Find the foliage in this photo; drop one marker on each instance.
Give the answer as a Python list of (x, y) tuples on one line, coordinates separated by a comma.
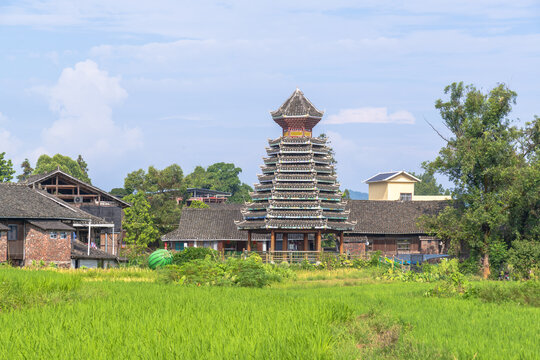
[(45, 164), (524, 258), (193, 253), (346, 195), (211, 271), (428, 185), (138, 222), (27, 170), (119, 192), (130, 316), (220, 177), (23, 288), (196, 204), (6, 169), (523, 293), (479, 159), (161, 189), (83, 165)]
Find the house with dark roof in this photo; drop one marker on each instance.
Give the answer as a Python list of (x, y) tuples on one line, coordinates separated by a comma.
[(397, 185), (40, 227), (88, 198), (388, 226)]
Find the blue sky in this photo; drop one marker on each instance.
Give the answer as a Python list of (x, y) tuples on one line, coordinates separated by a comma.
[(129, 84)]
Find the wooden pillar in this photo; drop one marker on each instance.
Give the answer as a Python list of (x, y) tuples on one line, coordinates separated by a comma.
[(285, 246), (273, 241), (318, 241), (306, 242), (341, 242), (249, 241)]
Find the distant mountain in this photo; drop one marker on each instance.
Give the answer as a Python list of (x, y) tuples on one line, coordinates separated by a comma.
[(357, 195)]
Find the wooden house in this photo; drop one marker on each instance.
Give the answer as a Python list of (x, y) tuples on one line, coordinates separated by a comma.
[(36, 226), (388, 226), (88, 198)]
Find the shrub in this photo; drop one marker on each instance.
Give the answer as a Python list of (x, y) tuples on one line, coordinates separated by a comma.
[(524, 258), (193, 253)]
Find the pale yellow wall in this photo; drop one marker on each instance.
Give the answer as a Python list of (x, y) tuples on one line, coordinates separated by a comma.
[(396, 188), (391, 190), (378, 191), (402, 178)]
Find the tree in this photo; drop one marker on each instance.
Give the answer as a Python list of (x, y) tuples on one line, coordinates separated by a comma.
[(46, 164), (138, 222), (161, 189), (6, 169), (27, 170), (346, 195), (83, 165), (220, 177), (119, 192), (134, 181), (196, 204), (428, 185), (478, 158)]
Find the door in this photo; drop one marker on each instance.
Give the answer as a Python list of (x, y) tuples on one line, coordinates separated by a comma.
[(15, 240)]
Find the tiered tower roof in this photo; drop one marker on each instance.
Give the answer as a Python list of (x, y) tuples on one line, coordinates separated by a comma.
[(298, 189)]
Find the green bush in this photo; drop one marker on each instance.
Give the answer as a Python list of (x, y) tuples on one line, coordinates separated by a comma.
[(211, 271), (524, 293), (524, 259), (193, 253)]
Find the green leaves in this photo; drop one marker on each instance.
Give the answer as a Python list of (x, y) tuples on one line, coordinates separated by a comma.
[(46, 164), (138, 222), (6, 169)]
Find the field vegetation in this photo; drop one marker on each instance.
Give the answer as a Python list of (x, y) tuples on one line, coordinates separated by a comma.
[(348, 312)]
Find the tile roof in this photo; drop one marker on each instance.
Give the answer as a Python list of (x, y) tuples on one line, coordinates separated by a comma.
[(297, 105), (32, 179), (3, 227), (22, 202), (216, 223), (372, 217), (51, 225), (391, 217), (388, 176)]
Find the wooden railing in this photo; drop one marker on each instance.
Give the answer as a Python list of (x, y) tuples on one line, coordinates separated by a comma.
[(295, 256)]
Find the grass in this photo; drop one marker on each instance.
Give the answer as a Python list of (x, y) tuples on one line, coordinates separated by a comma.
[(321, 315)]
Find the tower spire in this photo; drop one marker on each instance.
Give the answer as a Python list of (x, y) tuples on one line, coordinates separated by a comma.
[(297, 116)]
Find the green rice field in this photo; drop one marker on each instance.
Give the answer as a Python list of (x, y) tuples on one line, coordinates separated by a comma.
[(122, 314)]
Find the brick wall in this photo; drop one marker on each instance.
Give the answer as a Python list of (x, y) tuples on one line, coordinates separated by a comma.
[(39, 246), (3, 246), (354, 248)]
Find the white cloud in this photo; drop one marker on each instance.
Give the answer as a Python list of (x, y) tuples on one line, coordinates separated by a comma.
[(371, 115), (83, 97), (8, 142)]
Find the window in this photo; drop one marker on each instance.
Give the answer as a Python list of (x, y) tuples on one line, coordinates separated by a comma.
[(403, 245), (405, 197), (53, 235), (178, 246), (63, 235), (12, 233)]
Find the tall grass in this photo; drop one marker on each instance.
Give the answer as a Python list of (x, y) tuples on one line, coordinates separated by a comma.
[(373, 320), (20, 288)]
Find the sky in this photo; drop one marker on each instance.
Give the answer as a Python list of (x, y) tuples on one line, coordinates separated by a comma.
[(129, 84)]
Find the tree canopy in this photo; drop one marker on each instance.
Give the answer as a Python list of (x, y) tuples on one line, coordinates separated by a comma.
[(428, 185), (6, 169), (221, 177), (72, 167), (138, 221), (27, 170), (492, 165)]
